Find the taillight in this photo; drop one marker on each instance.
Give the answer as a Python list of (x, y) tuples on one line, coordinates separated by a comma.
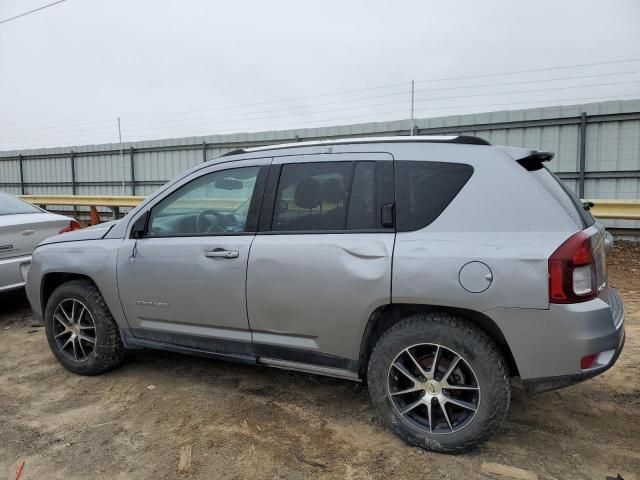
[(572, 273), (73, 225)]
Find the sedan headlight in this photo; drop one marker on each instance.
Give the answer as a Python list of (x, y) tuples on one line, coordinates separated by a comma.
[(24, 270)]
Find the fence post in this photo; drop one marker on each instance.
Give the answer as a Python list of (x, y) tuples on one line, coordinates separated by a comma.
[(73, 181), (22, 191), (133, 172), (583, 153), (204, 152)]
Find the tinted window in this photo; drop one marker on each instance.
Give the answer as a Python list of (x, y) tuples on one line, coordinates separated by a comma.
[(425, 189), (12, 206), (216, 203), (568, 200), (312, 196), (363, 211)]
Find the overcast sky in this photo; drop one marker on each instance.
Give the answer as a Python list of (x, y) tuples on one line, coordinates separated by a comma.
[(198, 67)]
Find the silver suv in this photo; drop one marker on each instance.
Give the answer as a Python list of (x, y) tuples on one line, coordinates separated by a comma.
[(438, 269)]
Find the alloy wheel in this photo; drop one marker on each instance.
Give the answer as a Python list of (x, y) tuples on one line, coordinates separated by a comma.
[(433, 388), (74, 329)]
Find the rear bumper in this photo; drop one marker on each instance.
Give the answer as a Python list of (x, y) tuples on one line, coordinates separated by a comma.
[(10, 274), (538, 385), (547, 345)]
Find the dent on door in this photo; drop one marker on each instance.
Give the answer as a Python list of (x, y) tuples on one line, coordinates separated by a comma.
[(315, 291)]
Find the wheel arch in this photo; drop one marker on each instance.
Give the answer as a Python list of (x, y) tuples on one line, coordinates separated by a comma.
[(387, 315), (52, 280)]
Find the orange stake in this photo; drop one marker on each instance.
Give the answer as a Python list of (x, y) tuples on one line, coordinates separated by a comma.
[(95, 217)]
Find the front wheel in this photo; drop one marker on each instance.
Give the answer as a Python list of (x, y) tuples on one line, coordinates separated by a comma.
[(439, 382), (81, 332)]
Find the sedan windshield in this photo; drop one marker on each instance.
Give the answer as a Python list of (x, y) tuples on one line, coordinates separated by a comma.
[(10, 205)]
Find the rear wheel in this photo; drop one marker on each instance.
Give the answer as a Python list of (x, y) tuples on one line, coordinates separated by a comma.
[(439, 382), (80, 330)]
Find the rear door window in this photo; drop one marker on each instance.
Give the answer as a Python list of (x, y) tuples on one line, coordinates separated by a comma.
[(312, 196), (425, 189), (326, 196)]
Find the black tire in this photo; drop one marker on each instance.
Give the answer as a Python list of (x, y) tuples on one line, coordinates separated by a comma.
[(473, 346), (108, 350)]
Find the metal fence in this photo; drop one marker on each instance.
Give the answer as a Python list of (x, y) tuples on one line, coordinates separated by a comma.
[(597, 150)]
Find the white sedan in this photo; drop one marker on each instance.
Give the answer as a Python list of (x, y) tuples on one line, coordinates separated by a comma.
[(22, 227)]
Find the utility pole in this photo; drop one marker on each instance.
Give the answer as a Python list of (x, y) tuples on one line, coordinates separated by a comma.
[(413, 84), (121, 154)]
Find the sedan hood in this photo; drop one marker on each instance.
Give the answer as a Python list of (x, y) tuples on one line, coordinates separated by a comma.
[(90, 233)]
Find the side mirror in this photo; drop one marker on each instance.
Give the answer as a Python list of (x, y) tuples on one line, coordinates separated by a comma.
[(140, 226)]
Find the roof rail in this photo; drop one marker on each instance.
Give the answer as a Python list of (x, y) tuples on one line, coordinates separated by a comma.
[(237, 151), (460, 139)]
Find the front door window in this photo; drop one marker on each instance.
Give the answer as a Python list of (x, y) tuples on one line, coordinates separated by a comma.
[(214, 204)]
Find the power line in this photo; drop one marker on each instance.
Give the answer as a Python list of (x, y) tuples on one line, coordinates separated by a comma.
[(267, 102), (575, 99), (373, 88), (522, 82), (340, 102), (292, 109), (62, 126), (244, 118), (31, 11), (404, 112), (224, 107), (544, 69), (531, 90), (394, 85), (374, 114), (270, 126), (367, 89)]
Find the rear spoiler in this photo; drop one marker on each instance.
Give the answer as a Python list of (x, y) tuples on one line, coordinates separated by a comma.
[(534, 161)]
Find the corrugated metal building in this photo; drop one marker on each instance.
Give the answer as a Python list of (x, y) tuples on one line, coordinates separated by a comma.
[(597, 148)]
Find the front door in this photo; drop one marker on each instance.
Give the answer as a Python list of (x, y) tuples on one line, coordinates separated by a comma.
[(183, 282), (321, 262)]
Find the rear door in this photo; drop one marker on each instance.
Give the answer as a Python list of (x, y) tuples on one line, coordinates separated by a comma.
[(321, 261)]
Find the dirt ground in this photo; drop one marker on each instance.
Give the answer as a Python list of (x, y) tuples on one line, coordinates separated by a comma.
[(254, 422)]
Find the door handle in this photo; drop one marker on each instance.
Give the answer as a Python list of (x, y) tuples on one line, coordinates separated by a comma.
[(219, 253)]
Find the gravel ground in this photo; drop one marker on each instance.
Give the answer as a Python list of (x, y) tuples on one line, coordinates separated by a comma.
[(170, 416)]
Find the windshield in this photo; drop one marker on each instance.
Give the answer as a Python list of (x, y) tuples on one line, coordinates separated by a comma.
[(10, 205)]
